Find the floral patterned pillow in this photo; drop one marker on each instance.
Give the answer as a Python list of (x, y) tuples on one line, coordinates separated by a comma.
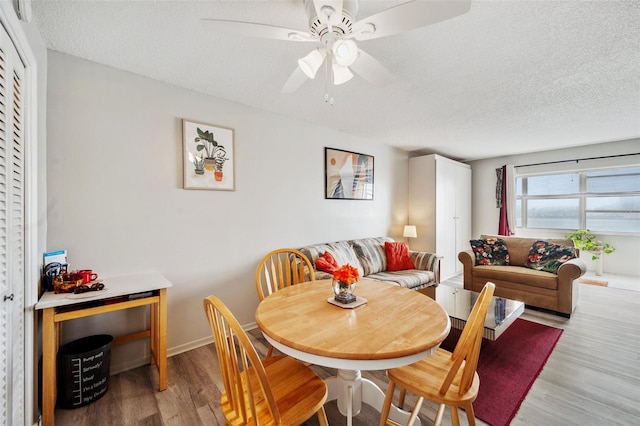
[(492, 251), (548, 257)]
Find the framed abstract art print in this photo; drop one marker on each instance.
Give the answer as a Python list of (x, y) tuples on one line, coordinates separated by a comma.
[(348, 175)]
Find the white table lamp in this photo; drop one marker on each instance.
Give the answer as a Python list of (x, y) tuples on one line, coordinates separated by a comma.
[(410, 231)]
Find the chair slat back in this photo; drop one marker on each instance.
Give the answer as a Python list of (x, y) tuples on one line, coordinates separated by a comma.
[(282, 268), (243, 374), (467, 350)]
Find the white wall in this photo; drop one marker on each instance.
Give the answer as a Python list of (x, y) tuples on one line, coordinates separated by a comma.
[(486, 216), (116, 203)]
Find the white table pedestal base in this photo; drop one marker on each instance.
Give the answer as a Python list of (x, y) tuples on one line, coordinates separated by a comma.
[(350, 390)]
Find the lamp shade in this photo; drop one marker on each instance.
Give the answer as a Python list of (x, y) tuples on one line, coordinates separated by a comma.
[(311, 63), (410, 231), (341, 74)]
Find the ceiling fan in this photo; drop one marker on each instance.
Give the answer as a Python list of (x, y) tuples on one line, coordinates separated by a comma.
[(333, 26)]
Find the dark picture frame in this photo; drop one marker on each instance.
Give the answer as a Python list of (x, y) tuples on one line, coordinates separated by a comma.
[(348, 175)]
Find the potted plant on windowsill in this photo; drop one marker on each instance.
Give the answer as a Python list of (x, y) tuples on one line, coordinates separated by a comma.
[(583, 239)]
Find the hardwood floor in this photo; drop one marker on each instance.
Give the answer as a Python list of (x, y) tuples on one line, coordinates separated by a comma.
[(592, 377)]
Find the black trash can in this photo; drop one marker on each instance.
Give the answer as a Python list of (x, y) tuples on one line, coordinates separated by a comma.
[(83, 370)]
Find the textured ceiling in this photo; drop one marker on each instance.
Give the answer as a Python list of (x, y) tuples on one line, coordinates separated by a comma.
[(508, 77)]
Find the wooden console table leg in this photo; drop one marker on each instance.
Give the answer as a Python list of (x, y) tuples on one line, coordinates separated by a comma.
[(153, 338), (49, 355), (161, 358)]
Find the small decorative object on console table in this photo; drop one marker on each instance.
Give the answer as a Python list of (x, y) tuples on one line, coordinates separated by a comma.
[(344, 283)]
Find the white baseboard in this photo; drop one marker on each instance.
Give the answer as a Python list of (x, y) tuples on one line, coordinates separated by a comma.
[(189, 346), (201, 342), (139, 362), (129, 365)]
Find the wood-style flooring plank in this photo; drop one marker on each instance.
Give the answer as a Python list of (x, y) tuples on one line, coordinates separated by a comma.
[(176, 403)]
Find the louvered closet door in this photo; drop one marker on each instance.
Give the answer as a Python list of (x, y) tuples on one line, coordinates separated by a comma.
[(12, 248)]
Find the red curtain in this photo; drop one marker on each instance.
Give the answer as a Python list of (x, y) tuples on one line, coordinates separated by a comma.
[(503, 225)]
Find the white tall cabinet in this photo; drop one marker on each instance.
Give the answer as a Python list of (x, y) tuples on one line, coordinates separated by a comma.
[(440, 208)]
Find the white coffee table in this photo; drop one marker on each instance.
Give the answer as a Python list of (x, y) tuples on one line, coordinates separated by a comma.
[(458, 303)]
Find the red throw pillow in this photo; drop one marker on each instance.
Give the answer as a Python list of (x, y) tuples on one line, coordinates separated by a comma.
[(398, 258), (326, 263)]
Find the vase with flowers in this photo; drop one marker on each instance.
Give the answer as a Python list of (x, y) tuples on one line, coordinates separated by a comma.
[(344, 283)]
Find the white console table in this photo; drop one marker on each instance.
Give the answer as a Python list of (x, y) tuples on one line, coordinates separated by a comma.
[(123, 292)]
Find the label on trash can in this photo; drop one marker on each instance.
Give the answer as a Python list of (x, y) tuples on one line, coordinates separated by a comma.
[(83, 370)]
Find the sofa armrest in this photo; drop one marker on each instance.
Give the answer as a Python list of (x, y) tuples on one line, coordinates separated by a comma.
[(468, 260), (567, 290), (572, 269), (425, 261)]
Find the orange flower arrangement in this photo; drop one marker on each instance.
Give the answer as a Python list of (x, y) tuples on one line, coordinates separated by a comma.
[(346, 274)]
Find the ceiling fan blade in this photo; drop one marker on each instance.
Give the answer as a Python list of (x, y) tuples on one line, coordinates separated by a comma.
[(336, 5), (250, 29), (367, 67), (295, 81), (408, 16)]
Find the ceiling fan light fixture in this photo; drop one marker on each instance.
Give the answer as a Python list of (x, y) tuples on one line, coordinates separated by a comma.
[(341, 74), (311, 63), (345, 52)]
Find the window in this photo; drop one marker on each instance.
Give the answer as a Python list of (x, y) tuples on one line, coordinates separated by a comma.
[(605, 200)]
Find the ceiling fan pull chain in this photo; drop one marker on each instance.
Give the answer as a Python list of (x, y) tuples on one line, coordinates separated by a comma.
[(328, 74)]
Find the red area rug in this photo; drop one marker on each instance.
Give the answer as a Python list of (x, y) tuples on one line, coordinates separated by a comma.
[(508, 367)]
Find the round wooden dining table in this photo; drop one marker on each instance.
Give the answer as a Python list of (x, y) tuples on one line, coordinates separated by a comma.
[(395, 327)]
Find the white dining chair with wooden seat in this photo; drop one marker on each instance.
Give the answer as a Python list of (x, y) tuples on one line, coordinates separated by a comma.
[(279, 269), (447, 378), (277, 391)]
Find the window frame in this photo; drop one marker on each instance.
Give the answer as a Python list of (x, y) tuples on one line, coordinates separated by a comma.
[(582, 195)]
